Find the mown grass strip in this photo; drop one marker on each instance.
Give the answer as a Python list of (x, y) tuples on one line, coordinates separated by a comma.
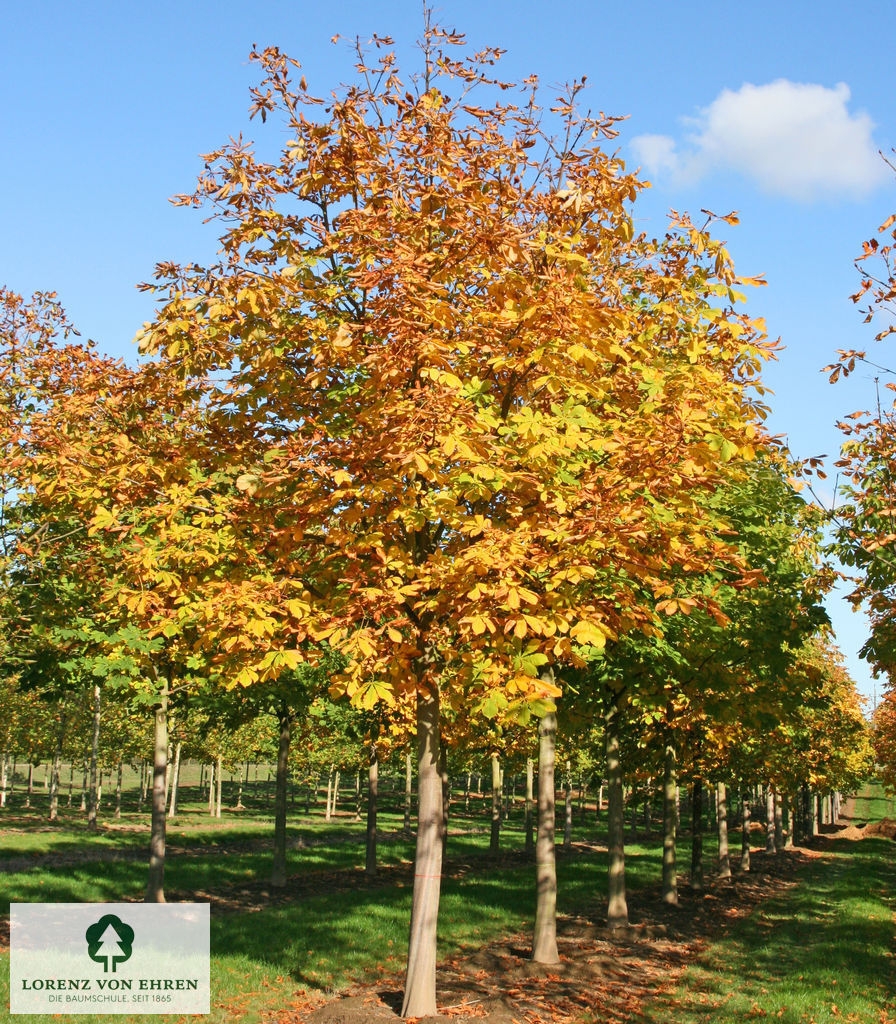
[(260, 959), (820, 953)]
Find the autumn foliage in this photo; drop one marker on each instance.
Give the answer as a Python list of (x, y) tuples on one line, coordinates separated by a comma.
[(438, 417)]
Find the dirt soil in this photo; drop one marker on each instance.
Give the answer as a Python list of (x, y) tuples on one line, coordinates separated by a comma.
[(603, 976)]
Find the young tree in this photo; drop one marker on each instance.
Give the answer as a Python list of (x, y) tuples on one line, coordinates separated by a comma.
[(467, 410)]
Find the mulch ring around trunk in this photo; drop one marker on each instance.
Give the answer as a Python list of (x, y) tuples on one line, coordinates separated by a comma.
[(601, 975)]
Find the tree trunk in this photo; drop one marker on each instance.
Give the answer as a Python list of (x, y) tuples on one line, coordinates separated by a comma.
[(495, 841), (617, 906), (30, 792), (155, 890), (85, 776), (420, 986), (4, 777), (648, 800), (722, 825), (211, 789), (175, 782), (357, 796), (71, 783), (408, 790), (336, 780), (813, 797), (769, 820), (446, 793), (118, 793), (790, 807), (218, 781), (567, 821), (329, 811), (670, 869), (697, 836), (54, 771), (745, 834), (278, 870), (467, 793), (372, 793), (779, 823), (600, 801), (244, 781), (530, 841), (544, 941)]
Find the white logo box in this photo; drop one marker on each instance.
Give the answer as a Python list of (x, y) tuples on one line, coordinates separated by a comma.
[(109, 958)]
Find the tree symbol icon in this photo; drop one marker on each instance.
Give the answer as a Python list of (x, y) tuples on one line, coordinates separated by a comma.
[(109, 942)]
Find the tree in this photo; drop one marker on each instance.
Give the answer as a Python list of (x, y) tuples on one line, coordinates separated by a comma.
[(866, 519), (466, 410)]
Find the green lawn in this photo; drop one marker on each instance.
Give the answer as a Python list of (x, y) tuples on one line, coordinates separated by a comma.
[(821, 953), (826, 944), (872, 803), (262, 959)]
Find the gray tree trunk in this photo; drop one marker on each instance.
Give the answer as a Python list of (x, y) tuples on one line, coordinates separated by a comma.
[(53, 777), (697, 836), (92, 797), (329, 811), (495, 840), (244, 781), (408, 790), (567, 821), (373, 767), (617, 905), (722, 826), (278, 870), (530, 840), (769, 820), (211, 789), (670, 869), (420, 985), (118, 792), (544, 941), (218, 780), (779, 823), (175, 782), (745, 834), (446, 793), (155, 882)]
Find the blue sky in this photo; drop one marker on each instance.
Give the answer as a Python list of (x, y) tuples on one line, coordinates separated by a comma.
[(776, 110)]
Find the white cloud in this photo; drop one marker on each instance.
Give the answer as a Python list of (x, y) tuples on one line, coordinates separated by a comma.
[(792, 139)]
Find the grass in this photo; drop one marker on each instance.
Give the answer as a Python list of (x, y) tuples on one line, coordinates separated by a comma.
[(819, 954), (820, 946), (872, 803), (261, 959)]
